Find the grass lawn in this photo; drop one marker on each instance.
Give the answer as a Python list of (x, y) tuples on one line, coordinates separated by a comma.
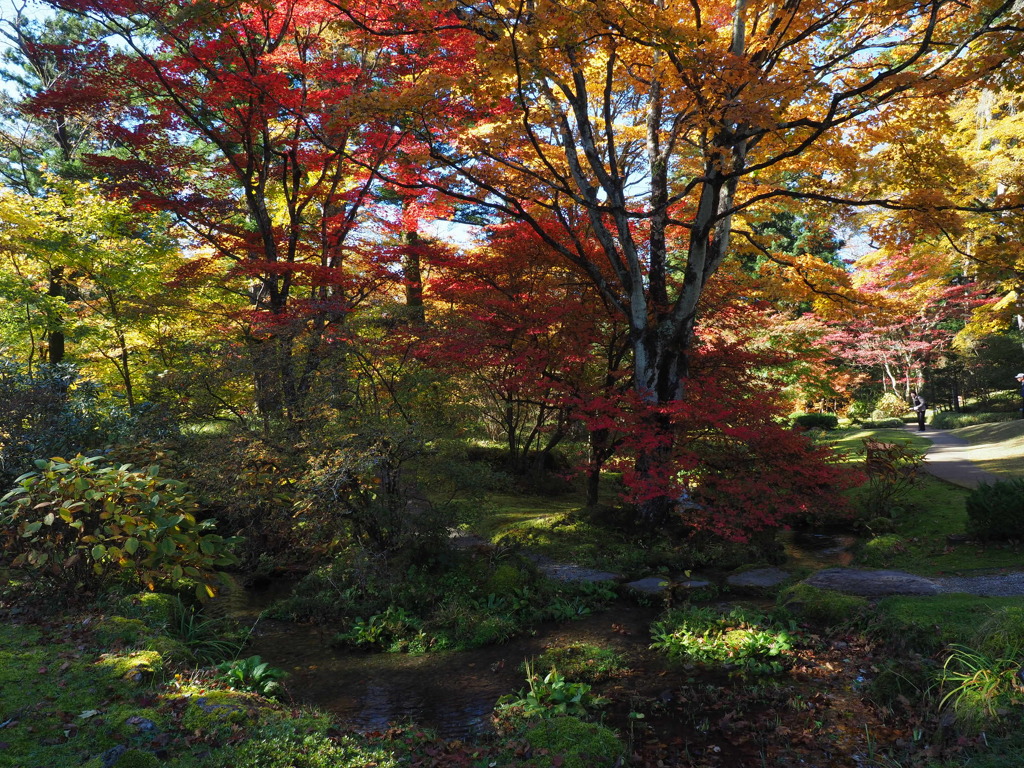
[(851, 441)]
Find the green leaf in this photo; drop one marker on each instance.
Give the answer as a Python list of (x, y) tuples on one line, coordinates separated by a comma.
[(98, 552), (131, 545)]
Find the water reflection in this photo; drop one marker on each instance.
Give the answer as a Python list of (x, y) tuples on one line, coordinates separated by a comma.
[(818, 550), (452, 692)]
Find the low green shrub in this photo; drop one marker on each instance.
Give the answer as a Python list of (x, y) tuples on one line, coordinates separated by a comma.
[(893, 468), (252, 675), (996, 511), (547, 697), (953, 420), (826, 421), (80, 524), (394, 630), (881, 551), (740, 641), (444, 606), (50, 410), (572, 743), (883, 423), (889, 406)]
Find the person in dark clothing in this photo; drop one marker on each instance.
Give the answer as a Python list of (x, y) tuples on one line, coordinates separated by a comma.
[(1020, 381), (920, 406)]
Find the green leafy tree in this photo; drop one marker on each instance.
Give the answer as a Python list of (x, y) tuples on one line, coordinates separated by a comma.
[(114, 260)]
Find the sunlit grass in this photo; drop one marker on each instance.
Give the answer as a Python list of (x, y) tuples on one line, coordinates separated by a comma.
[(933, 509), (502, 513), (211, 428), (850, 442)]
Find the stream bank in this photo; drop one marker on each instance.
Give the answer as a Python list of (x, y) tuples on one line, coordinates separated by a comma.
[(454, 692)]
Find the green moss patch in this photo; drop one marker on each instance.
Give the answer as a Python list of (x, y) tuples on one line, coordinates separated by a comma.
[(934, 621), (117, 630), (154, 609), (135, 666), (823, 606), (66, 704), (212, 709), (573, 743), (285, 744), (582, 662)]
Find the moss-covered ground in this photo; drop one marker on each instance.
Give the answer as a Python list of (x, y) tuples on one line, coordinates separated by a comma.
[(110, 687), (71, 696)]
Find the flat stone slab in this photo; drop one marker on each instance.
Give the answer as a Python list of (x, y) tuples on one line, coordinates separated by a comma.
[(855, 581), (570, 572), (655, 585), (651, 585), (761, 578)]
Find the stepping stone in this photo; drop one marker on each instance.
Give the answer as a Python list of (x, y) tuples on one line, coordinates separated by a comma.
[(651, 585), (694, 582), (569, 572), (854, 581), (655, 585), (758, 578)]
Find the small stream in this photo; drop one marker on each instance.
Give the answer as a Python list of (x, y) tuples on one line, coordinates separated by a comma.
[(454, 692), (806, 549)]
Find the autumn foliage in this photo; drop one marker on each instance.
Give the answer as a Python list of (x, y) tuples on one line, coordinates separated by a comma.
[(582, 217)]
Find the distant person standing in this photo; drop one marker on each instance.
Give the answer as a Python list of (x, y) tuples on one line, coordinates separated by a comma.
[(1020, 381), (920, 406)]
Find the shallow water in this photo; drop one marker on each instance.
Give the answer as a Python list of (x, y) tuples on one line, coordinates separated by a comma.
[(817, 550), (452, 693)]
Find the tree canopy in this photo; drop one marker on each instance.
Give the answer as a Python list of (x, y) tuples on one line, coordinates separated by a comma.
[(253, 208)]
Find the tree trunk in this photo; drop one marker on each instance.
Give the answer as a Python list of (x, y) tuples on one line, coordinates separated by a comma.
[(55, 346), (413, 278)]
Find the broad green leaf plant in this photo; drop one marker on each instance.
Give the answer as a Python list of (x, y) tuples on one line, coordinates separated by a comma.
[(82, 523)]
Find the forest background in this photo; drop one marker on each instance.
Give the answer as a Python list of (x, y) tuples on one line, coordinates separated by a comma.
[(343, 245)]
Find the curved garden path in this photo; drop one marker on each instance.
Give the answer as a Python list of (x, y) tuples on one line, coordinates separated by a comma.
[(948, 458)]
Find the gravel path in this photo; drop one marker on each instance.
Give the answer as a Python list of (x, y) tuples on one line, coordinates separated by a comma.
[(999, 585), (948, 458)]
